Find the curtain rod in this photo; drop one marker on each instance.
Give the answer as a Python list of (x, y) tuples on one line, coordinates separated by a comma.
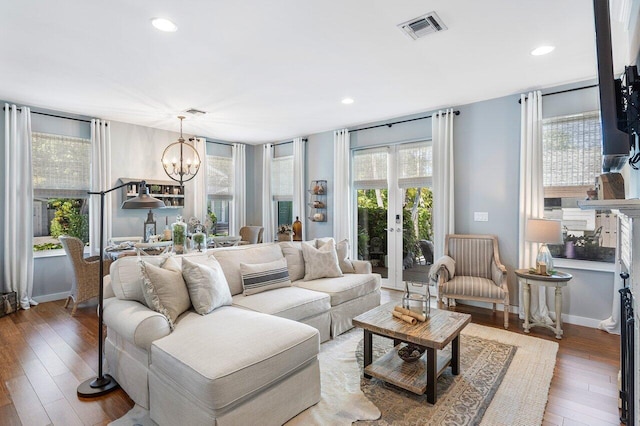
[(219, 143), (53, 115), (565, 91), (284, 143), (398, 122)]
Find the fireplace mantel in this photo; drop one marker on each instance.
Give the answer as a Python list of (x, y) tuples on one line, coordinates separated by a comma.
[(630, 207)]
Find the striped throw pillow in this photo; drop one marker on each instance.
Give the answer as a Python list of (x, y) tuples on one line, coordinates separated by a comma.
[(259, 277)]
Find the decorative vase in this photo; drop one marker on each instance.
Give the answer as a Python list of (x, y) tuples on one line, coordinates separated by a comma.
[(179, 233), (285, 237), (297, 230)]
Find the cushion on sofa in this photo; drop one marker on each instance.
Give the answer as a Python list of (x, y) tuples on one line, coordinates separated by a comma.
[(231, 257), (320, 263), (344, 289), (207, 286), (260, 277), (293, 303), (126, 279), (164, 289), (292, 251), (342, 251), (472, 286), (232, 353)]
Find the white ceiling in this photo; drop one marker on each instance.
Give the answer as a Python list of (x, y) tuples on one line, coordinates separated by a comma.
[(277, 69)]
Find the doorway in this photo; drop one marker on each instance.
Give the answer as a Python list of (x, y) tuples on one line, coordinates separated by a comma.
[(392, 195)]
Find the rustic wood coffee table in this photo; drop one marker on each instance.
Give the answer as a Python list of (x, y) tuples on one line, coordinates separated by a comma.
[(443, 327)]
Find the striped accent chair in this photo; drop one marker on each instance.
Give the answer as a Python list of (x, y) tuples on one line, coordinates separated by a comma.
[(479, 275)]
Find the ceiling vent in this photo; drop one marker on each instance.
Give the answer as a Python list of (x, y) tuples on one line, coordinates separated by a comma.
[(195, 112), (423, 25)]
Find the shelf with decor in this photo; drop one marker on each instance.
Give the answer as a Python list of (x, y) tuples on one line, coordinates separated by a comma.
[(169, 192), (318, 201)]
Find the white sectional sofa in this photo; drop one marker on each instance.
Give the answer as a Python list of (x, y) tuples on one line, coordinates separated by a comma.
[(255, 360)]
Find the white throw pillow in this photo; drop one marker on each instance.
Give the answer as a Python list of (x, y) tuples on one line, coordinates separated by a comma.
[(320, 263), (342, 250), (207, 286), (164, 289), (259, 277)]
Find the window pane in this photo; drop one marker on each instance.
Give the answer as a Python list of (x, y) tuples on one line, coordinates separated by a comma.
[(61, 178), (572, 155), (370, 168), (282, 177), (572, 149), (61, 165), (284, 212), (221, 209), (219, 176), (415, 165)]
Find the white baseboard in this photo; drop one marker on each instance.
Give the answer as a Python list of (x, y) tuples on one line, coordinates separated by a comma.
[(51, 297), (566, 318)]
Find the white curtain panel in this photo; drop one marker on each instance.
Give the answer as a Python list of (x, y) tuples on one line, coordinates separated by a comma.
[(18, 205), (299, 182), (531, 196), (443, 182), (198, 185), (341, 199), (100, 181), (267, 202), (239, 205)]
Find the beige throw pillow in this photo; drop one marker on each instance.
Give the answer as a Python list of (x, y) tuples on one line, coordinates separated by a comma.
[(342, 250), (260, 277), (207, 286), (320, 263), (164, 289), (293, 255)]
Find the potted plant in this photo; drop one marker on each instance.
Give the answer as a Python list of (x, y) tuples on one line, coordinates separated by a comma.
[(199, 239)]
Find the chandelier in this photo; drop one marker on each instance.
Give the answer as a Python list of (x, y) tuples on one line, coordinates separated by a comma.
[(180, 160)]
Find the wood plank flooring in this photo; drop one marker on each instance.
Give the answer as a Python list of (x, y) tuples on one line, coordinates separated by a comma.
[(45, 353)]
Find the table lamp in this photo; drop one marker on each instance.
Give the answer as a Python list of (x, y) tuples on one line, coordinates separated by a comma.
[(544, 231)]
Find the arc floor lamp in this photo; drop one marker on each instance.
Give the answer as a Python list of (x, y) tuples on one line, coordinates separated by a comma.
[(104, 383)]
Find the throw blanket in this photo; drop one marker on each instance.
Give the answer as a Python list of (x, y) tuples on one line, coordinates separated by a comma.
[(445, 262)]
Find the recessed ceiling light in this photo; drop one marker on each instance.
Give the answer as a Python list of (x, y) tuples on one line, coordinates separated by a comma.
[(164, 25), (347, 101), (542, 50)]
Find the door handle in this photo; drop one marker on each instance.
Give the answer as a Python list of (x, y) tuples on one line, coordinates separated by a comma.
[(390, 229), (399, 229)]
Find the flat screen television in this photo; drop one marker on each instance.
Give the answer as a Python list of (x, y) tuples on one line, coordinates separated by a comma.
[(615, 142)]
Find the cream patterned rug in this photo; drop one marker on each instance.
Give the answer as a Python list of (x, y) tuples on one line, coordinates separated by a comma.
[(504, 380)]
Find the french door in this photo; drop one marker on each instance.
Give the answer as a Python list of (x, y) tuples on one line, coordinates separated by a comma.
[(393, 209)]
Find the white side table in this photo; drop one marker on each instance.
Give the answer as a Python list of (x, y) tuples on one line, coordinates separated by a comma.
[(557, 280)]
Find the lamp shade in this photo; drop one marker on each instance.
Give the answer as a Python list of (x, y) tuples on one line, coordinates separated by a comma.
[(544, 231), (143, 200)]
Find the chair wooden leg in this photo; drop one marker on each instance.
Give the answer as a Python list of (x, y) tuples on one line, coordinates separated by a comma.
[(75, 306), (494, 307), (66, 302), (440, 304), (506, 316)]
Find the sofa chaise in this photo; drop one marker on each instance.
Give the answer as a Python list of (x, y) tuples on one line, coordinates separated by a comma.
[(254, 359)]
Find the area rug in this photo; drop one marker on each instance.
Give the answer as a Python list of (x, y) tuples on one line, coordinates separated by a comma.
[(504, 380)]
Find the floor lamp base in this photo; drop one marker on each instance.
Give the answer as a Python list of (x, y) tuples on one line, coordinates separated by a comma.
[(96, 387)]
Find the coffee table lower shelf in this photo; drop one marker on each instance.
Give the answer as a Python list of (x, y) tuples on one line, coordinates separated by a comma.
[(411, 376)]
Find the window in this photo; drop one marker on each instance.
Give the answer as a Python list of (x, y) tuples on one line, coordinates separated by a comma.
[(61, 179), (572, 158), (282, 189), (220, 190)]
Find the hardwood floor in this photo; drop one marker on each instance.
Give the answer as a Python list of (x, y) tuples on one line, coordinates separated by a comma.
[(45, 353)]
